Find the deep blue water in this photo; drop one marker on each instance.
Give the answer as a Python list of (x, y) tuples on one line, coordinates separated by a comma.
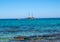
[(28, 27)]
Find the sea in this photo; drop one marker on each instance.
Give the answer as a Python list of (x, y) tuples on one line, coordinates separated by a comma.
[(10, 28)]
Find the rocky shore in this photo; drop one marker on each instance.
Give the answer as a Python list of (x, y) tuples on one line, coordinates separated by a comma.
[(42, 38)]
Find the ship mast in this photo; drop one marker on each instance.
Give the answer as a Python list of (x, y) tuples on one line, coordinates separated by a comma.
[(32, 16)]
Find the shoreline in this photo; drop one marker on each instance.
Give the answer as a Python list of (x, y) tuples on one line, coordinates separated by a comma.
[(55, 37)]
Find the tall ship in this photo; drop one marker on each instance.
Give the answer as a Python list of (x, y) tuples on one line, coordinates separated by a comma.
[(30, 16)]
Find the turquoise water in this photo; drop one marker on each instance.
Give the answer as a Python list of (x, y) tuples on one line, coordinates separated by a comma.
[(27, 27)]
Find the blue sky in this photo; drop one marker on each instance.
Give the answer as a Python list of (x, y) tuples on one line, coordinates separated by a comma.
[(22, 8)]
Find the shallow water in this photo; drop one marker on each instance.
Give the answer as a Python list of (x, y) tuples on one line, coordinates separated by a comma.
[(10, 28)]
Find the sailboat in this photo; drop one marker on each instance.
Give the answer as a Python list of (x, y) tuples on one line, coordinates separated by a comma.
[(30, 17)]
